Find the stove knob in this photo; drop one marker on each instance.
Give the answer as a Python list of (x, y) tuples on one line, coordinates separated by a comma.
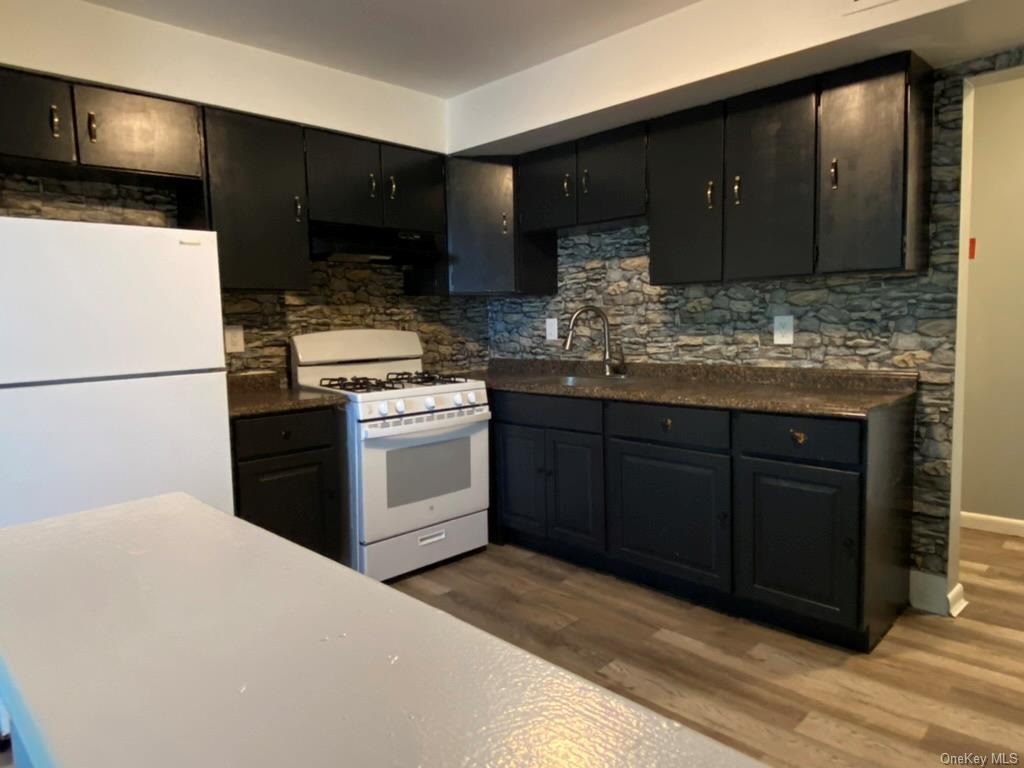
[(430, 403), (400, 406), (457, 399), (382, 409), (472, 398)]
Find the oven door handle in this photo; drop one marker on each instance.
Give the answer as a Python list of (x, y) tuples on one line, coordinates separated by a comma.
[(426, 429)]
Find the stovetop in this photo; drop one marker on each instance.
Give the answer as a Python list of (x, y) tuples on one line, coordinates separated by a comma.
[(394, 381)]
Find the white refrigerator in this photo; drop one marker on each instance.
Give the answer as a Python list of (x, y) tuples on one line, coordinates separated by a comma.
[(112, 375)]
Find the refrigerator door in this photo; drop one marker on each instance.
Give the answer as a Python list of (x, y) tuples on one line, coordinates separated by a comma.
[(69, 447), (81, 301)]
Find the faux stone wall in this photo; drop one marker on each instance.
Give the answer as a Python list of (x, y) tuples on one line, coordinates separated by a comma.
[(868, 321), (44, 198)]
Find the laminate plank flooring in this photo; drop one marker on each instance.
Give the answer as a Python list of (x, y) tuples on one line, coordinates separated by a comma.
[(933, 685)]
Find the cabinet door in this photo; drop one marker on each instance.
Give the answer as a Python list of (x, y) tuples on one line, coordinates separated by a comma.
[(547, 188), (685, 158), (798, 538), (413, 189), (257, 200), (670, 510), (520, 469), (769, 159), (611, 171), (137, 133), (37, 118), (861, 154), (575, 465), (481, 227), (344, 179), (294, 496)]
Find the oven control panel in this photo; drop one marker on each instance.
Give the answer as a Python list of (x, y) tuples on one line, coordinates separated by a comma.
[(399, 405)]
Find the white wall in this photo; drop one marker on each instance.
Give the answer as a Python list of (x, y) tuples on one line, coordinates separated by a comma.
[(88, 42), (993, 448)]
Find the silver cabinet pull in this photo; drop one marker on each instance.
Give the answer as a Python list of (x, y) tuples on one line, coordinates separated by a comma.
[(92, 127), (736, 182), (394, 187), (504, 223), (298, 208), (585, 181), (373, 185), (54, 121), (565, 185), (709, 194), (833, 173)]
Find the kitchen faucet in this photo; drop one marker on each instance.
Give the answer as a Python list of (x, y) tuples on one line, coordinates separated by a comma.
[(607, 339)]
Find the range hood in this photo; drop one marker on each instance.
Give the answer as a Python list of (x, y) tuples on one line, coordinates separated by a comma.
[(398, 244)]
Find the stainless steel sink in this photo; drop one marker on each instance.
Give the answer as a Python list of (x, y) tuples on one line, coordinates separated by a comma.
[(594, 381)]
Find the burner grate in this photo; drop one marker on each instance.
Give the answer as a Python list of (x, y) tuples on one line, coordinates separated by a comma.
[(423, 378)]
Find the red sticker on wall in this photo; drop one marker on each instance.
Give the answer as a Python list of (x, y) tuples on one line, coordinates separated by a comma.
[(973, 250)]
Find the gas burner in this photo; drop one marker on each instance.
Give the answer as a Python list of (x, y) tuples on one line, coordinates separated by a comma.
[(423, 378), (359, 384)]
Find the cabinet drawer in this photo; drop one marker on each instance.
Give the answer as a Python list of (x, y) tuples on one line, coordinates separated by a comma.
[(266, 435), (668, 424), (571, 413), (796, 437)]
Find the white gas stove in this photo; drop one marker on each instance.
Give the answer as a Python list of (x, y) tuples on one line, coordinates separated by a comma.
[(416, 448)]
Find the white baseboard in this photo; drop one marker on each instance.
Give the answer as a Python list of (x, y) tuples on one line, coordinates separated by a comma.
[(929, 592), (1007, 526)]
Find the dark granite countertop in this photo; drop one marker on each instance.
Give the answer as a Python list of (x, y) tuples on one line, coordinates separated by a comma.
[(801, 391), (259, 393)]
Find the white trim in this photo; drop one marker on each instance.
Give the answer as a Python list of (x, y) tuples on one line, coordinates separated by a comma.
[(928, 592), (992, 523)]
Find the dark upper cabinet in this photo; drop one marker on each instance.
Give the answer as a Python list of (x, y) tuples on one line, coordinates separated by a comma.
[(797, 537), (547, 188), (257, 175), (770, 172), (873, 128), (486, 251), (685, 157), (413, 189), (521, 477), (611, 174), (38, 121), (575, 510), (137, 133), (344, 179), (670, 510)]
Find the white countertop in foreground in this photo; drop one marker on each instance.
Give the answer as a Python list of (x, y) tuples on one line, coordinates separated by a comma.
[(164, 633)]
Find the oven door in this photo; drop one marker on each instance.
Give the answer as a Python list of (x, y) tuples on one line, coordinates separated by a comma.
[(420, 474)]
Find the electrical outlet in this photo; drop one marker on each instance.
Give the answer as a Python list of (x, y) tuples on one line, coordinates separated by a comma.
[(551, 328), (784, 329), (234, 338)]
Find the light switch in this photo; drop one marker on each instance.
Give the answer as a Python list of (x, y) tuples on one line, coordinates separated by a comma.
[(784, 329), (234, 338), (551, 328)]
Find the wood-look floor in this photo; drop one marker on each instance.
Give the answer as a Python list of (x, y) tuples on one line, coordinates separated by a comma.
[(933, 685)]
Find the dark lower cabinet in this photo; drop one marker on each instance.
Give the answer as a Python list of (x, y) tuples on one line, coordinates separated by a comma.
[(257, 173), (575, 475), (413, 189), (294, 496), (669, 510), (521, 477), (797, 532), (38, 122)]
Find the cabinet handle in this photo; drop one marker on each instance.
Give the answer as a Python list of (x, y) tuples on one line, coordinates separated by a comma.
[(504, 223), (432, 538), (373, 185), (800, 438), (666, 425), (833, 173), (298, 208), (394, 187), (709, 194), (92, 127), (54, 121), (736, 182), (585, 181), (565, 184), (286, 434), (848, 543)]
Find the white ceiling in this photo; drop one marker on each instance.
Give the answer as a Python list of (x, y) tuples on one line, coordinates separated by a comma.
[(441, 47)]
